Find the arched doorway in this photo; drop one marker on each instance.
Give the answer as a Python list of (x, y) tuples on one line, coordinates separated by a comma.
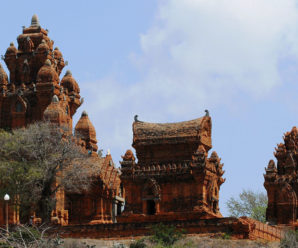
[(151, 197), (151, 208)]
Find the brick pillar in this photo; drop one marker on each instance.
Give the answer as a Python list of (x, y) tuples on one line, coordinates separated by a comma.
[(110, 209), (144, 207), (101, 208), (157, 206)]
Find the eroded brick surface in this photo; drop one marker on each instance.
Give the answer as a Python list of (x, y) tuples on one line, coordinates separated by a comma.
[(281, 182), (174, 179), (34, 92)]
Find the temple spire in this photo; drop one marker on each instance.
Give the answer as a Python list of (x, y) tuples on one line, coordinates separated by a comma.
[(35, 21), (68, 73)]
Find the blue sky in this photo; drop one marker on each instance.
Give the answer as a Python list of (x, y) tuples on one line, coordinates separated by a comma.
[(169, 60)]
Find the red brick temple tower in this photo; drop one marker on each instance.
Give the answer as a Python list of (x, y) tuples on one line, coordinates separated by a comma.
[(173, 178), (281, 182), (34, 69), (34, 92)]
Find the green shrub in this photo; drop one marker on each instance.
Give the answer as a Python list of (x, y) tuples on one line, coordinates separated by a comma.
[(5, 245), (25, 234), (290, 240), (118, 246), (138, 244), (165, 235), (226, 235)]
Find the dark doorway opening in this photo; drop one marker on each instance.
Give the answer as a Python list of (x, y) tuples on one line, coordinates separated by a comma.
[(119, 205), (151, 210)]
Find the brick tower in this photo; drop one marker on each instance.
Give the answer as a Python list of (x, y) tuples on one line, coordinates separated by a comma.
[(34, 92), (34, 70), (173, 179), (281, 182)]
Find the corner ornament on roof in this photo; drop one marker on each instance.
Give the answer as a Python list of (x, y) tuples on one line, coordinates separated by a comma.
[(136, 119), (207, 112)]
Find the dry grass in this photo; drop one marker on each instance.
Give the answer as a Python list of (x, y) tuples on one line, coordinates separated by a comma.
[(192, 241), (205, 242)]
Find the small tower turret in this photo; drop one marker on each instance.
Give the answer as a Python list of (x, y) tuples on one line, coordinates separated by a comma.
[(86, 131)]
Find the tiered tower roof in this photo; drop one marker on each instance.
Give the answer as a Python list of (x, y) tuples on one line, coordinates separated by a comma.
[(86, 131), (34, 68)]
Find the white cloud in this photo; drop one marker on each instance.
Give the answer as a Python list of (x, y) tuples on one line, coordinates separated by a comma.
[(219, 45), (197, 54), (203, 52)]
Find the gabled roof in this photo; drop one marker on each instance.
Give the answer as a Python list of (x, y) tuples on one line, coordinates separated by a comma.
[(145, 133), (107, 172)]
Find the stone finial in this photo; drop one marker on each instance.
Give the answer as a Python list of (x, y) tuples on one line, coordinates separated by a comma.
[(84, 113), (108, 152), (48, 62), (68, 73), (271, 165), (136, 118), (214, 155), (56, 48), (207, 112), (128, 156), (55, 98), (11, 44), (35, 21)]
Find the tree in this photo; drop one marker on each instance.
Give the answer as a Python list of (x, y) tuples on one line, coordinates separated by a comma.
[(37, 161), (249, 204)]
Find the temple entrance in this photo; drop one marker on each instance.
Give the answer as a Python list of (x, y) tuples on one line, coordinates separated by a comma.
[(151, 208)]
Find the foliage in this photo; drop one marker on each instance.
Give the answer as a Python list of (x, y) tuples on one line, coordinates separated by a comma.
[(226, 235), (249, 204), (88, 246), (31, 237), (259, 213), (28, 234), (119, 246), (35, 237), (35, 162), (76, 243), (165, 235), (138, 244), (290, 239)]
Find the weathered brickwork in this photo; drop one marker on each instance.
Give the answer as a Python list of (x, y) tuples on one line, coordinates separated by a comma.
[(242, 228), (281, 182), (34, 92), (173, 179)]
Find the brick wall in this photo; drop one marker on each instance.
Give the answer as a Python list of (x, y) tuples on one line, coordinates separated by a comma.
[(242, 228)]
